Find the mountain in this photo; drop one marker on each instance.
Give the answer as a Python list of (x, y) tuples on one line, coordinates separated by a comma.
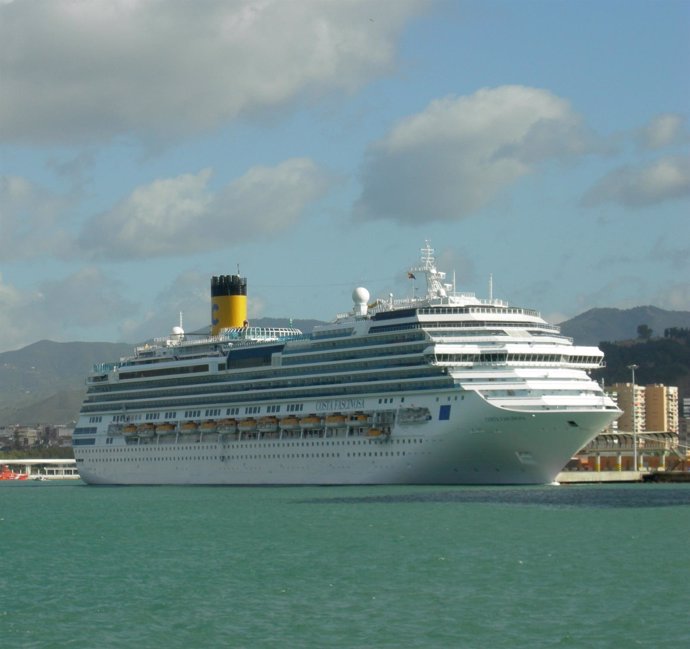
[(611, 325), (43, 383)]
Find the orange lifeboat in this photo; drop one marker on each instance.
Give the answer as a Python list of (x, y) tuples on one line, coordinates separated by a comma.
[(335, 421), (310, 421), (129, 429), (189, 427), (209, 426), (227, 426), (289, 423), (146, 430), (268, 424), (247, 428), (360, 419)]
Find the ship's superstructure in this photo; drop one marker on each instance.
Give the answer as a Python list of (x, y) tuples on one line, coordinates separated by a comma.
[(442, 388)]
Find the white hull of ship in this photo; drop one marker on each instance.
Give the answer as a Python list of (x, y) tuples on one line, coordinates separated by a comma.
[(478, 444)]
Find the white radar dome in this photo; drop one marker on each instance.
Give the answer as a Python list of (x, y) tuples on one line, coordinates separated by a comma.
[(177, 331), (360, 295)]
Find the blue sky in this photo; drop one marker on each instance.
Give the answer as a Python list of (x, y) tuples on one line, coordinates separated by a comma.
[(316, 145)]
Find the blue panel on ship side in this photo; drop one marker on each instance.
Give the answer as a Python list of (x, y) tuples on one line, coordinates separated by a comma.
[(444, 413)]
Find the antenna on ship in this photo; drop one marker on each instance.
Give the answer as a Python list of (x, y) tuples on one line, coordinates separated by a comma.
[(491, 286)]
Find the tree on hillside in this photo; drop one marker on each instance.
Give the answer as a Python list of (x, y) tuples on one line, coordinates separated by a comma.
[(644, 332), (663, 360), (681, 334)]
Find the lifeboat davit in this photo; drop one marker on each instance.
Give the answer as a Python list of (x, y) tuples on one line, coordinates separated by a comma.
[(335, 421), (361, 420), (209, 426), (129, 429), (146, 430), (310, 421), (268, 424), (226, 426)]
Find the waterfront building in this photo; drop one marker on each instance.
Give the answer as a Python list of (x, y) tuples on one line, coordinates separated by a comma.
[(684, 426), (631, 400), (661, 408)]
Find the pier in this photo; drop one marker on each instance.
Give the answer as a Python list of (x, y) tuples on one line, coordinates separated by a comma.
[(44, 469)]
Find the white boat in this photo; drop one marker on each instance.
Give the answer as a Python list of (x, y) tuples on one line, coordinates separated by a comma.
[(440, 388)]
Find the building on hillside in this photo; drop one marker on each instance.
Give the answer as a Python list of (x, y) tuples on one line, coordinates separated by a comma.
[(17, 437), (25, 436), (6, 439), (64, 435)]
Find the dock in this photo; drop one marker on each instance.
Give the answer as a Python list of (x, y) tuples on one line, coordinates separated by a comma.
[(591, 477), (44, 468), (648, 475)]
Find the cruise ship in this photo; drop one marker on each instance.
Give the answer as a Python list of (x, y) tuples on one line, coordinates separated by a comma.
[(438, 388)]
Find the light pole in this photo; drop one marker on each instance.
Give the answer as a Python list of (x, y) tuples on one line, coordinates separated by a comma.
[(632, 368)]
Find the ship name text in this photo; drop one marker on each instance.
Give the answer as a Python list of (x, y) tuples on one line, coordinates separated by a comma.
[(340, 404)]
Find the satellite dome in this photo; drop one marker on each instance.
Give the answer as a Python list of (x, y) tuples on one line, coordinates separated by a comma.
[(177, 331), (360, 295)]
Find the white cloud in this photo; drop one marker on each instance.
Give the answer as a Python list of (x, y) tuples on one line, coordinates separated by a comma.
[(183, 215), (188, 293), (675, 297), (13, 303), (60, 309), (458, 154), (662, 131), (30, 220), (86, 71), (662, 180), (87, 298)]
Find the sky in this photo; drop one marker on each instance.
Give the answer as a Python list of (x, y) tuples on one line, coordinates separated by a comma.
[(316, 145)]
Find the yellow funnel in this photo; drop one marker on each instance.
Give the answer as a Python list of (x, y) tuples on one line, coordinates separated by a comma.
[(228, 302)]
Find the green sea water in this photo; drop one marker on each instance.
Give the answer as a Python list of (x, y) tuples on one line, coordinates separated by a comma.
[(355, 567)]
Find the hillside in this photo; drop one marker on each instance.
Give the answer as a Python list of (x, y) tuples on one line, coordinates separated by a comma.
[(660, 360), (597, 325), (43, 383)]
